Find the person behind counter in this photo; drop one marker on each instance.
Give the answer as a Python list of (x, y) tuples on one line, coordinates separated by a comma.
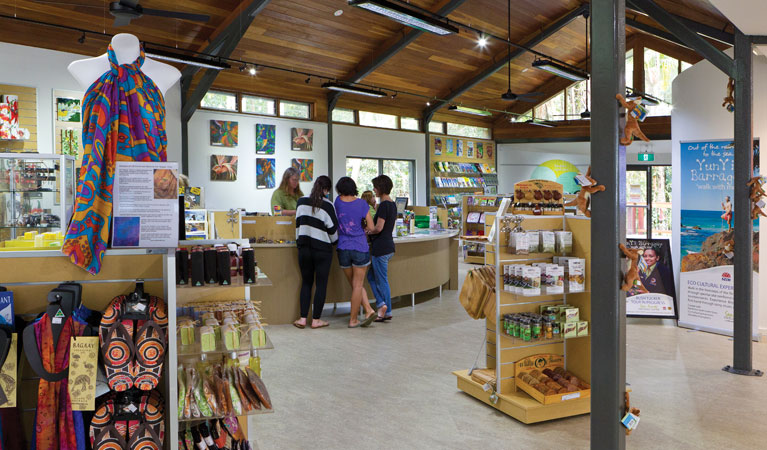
[(287, 194), (316, 233), (382, 246), (353, 250)]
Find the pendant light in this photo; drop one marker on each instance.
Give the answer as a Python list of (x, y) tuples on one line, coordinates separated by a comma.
[(586, 115)]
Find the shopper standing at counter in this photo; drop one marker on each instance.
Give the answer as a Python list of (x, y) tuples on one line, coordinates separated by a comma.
[(287, 194), (382, 246), (353, 251), (316, 233)]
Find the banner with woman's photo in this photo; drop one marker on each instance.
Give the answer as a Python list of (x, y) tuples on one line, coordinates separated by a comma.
[(707, 237), (655, 294)]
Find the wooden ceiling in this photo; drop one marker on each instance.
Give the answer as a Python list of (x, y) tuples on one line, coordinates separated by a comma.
[(306, 36)]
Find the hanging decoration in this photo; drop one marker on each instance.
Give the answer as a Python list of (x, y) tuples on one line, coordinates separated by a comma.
[(635, 113)]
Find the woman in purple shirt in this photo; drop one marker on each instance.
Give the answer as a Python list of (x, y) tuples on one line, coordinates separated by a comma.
[(353, 251)]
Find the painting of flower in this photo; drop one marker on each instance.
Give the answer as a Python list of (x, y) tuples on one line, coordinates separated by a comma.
[(265, 139), (305, 167), (264, 173), (223, 133), (223, 168), (302, 139)]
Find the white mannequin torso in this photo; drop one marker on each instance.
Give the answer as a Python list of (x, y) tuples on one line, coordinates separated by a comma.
[(127, 49)]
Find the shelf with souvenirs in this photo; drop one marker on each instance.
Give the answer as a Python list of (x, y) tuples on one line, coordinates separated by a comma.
[(537, 318), (474, 216)]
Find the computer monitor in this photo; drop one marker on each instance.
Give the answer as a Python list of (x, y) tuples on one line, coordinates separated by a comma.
[(401, 203)]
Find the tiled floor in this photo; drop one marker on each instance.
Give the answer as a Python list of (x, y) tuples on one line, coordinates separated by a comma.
[(390, 387)]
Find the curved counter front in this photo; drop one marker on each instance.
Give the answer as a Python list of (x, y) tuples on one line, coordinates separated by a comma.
[(421, 262)]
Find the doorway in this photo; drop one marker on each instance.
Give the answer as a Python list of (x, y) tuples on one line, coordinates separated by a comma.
[(648, 202)]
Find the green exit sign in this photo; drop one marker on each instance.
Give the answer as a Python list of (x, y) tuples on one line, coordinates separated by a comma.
[(646, 157)]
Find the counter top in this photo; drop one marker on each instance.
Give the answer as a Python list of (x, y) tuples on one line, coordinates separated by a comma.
[(419, 236)]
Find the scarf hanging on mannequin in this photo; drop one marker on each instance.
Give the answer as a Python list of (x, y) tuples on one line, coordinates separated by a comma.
[(123, 120)]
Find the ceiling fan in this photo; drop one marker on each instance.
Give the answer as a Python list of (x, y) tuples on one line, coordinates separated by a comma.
[(126, 10)]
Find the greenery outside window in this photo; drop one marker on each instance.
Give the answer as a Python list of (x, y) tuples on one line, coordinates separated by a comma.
[(553, 109), (436, 127), (659, 72), (401, 172), (409, 123), (457, 129), (524, 117), (371, 119), (343, 115), (630, 68), (298, 110), (577, 99), (225, 101), (258, 105)]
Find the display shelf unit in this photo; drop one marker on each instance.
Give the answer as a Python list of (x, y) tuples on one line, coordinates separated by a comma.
[(474, 253), (502, 351)]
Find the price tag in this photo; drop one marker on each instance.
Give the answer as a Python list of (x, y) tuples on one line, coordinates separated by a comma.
[(83, 361), (760, 203), (630, 421), (571, 396), (729, 255), (582, 180), (139, 307), (9, 373), (56, 320), (486, 387), (195, 190)]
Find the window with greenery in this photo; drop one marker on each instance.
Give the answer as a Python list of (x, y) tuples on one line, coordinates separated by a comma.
[(343, 115), (577, 99), (410, 123), (226, 101), (659, 72), (258, 105), (371, 119), (552, 109), (401, 172), (630, 68), (524, 117), (436, 127), (458, 129), (298, 110)]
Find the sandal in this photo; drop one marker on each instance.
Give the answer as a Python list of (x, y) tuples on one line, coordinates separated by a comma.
[(368, 320), (321, 325), (298, 325)]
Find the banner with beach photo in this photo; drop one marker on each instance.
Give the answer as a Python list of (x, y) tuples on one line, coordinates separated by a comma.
[(706, 236)]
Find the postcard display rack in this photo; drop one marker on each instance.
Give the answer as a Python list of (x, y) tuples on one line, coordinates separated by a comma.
[(508, 357), (477, 214), (457, 172)]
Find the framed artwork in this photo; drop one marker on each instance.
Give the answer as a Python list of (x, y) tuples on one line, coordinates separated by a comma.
[(449, 146), (305, 167), (437, 146), (265, 139), (223, 168), (459, 148), (265, 173), (489, 150), (470, 149), (480, 150), (68, 110), (302, 139), (223, 133)]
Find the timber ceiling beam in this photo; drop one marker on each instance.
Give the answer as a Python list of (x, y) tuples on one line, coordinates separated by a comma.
[(222, 45), (501, 61), (394, 45)]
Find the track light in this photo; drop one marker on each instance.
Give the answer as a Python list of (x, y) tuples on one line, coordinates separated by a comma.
[(394, 95), (81, 39), (184, 59), (406, 16), (243, 67), (540, 123), (586, 115), (252, 70), (351, 89), (465, 110), (307, 80), (428, 104), (560, 70), (482, 41)]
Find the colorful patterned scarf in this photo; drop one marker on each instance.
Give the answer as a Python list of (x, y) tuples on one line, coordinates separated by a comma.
[(123, 120), (56, 425)]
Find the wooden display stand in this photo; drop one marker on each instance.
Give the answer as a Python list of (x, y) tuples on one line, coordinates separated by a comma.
[(481, 227), (544, 195), (503, 351)]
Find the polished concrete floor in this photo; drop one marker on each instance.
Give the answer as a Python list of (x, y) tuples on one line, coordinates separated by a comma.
[(390, 387)]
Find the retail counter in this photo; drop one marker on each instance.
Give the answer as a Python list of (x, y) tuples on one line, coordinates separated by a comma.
[(424, 261)]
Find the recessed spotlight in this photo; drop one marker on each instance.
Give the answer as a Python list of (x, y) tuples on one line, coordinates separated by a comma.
[(252, 70), (338, 12), (428, 104), (482, 41), (525, 70)]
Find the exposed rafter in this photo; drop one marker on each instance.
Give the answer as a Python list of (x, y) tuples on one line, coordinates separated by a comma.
[(222, 45), (502, 60), (687, 35), (389, 49), (651, 30)]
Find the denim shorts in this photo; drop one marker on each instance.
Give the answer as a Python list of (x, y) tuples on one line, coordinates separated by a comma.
[(349, 258)]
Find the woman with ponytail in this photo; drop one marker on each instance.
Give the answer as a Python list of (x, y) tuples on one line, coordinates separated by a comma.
[(316, 233)]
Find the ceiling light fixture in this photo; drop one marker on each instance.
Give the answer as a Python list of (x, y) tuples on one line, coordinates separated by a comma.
[(560, 70), (81, 39), (482, 41), (343, 87), (307, 80), (406, 16), (428, 104), (474, 111), (540, 123), (243, 67), (252, 70), (647, 99), (338, 12), (184, 59)]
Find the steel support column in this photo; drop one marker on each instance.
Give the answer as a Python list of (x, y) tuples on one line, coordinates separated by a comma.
[(608, 226), (428, 164), (743, 226), (331, 174)]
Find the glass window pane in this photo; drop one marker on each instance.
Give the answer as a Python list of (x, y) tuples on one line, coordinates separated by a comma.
[(401, 174), (409, 123), (685, 66), (552, 109), (436, 127), (362, 171), (219, 100), (257, 105), (630, 68), (458, 129), (371, 119), (524, 117), (294, 109), (636, 222), (659, 72), (577, 99), (661, 202), (343, 115), (636, 187)]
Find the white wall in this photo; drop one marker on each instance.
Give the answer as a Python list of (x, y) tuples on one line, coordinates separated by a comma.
[(517, 161), (243, 193), (698, 115), (378, 143), (46, 70)]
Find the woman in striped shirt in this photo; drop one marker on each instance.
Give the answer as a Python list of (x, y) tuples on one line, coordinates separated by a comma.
[(316, 225)]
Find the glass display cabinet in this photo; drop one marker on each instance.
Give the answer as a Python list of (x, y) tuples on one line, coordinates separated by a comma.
[(37, 192)]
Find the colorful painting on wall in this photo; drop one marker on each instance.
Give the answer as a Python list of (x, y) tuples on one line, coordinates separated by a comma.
[(265, 139), (223, 133), (265, 173), (68, 110), (449, 146), (223, 168), (480, 150), (302, 139), (305, 167), (489, 150), (459, 148), (437, 146), (470, 149), (70, 142)]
